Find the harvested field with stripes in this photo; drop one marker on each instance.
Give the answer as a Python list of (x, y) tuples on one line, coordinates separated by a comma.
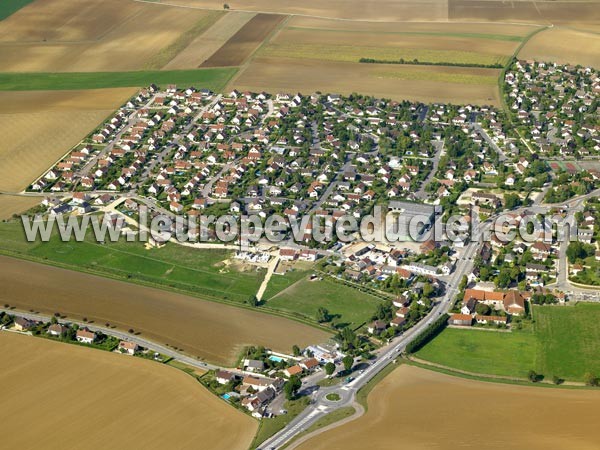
[(243, 43)]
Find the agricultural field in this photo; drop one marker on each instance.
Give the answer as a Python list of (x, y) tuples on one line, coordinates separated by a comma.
[(243, 43), (108, 400), (568, 340), (214, 79), (564, 45), (209, 273), (541, 12), (33, 135), (8, 7), (96, 35), (433, 43), (564, 342), (208, 330), (531, 417), (375, 10), (311, 54), (348, 305), (205, 45), (494, 353), (10, 205), (418, 83)]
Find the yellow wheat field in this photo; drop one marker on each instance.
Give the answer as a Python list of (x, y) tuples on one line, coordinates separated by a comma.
[(63, 395), (38, 127)]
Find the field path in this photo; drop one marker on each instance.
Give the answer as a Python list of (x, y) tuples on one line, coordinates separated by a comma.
[(265, 282)]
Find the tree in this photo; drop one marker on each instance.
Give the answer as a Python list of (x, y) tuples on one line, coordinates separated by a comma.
[(463, 283), (323, 315), (482, 309), (53, 320), (428, 290), (225, 6), (533, 376), (590, 379), (348, 362), (291, 387), (512, 201), (329, 368), (253, 301), (296, 350)]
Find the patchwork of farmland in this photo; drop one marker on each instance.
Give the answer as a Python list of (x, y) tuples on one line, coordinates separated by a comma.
[(243, 43), (205, 45), (374, 10), (95, 35), (434, 43), (311, 54)]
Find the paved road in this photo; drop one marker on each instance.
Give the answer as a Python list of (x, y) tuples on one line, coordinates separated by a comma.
[(320, 406), (486, 137), (123, 336)]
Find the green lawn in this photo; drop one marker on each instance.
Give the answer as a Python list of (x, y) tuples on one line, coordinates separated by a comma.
[(568, 340), (195, 271), (495, 353), (564, 342), (349, 305), (9, 7), (280, 282), (214, 79)]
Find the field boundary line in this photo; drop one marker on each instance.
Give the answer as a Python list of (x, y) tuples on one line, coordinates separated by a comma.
[(342, 19), (484, 377), (242, 68), (203, 297)]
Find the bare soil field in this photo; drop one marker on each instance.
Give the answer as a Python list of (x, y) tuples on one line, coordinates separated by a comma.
[(90, 35), (543, 12), (205, 45), (209, 330), (374, 10), (56, 393), (422, 83), (33, 134), (564, 45), (241, 45), (340, 41), (417, 409), (10, 205)]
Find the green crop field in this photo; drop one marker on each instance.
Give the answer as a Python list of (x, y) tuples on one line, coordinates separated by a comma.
[(351, 53), (200, 272), (349, 305), (214, 79), (505, 354), (9, 7), (568, 340), (564, 342)]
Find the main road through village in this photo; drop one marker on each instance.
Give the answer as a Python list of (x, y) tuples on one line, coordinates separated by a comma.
[(320, 406)]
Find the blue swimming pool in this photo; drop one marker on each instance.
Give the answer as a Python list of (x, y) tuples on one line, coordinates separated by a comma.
[(275, 358)]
